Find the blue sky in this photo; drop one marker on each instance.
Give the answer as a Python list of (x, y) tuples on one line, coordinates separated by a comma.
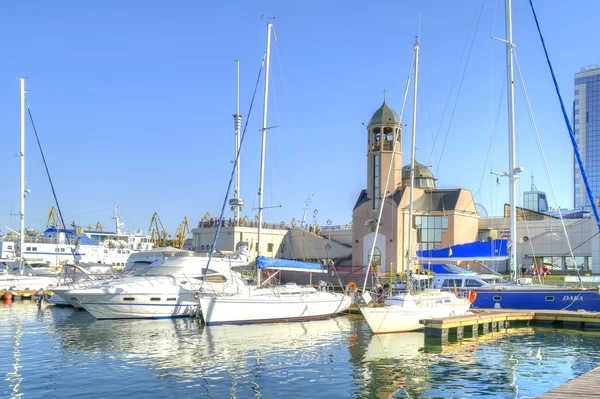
[(133, 101)]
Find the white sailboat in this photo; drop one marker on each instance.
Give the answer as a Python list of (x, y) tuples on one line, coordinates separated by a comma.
[(290, 302), (403, 312), (22, 280)]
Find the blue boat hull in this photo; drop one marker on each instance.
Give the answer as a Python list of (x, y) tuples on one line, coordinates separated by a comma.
[(539, 299)]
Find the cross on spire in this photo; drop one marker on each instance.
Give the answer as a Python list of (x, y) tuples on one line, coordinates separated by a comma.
[(384, 91)]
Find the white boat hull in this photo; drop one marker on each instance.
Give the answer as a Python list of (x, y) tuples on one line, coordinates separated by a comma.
[(242, 309), (137, 305), (404, 313), (27, 283)]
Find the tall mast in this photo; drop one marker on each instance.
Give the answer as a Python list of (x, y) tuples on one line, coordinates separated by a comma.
[(512, 173), (412, 159), (264, 138), (23, 193), (237, 121)]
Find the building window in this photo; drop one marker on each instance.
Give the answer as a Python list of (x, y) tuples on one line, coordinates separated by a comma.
[(376, 260), (281, 248), (429, 230), (9, 247), (269, 247), (376, 192)]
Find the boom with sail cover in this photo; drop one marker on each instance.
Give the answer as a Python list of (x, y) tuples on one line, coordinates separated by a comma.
[(479, 250), (262, 262)]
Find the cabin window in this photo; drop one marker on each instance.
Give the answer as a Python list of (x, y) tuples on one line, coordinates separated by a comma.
[(9, 247), (171, 299), (27, 248), (216, 279), (155, 299), (452, 282), (497, 298), (129, 299), (549, 298), (472, 283)]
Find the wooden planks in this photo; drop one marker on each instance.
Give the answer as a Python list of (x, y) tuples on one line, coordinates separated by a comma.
[(585, 386)]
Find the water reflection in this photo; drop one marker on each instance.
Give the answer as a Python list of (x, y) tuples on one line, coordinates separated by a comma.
[(67, 353)]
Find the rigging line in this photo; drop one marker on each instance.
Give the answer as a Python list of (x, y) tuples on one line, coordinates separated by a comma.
[(566, 118), (454, 81), (410, 69), (490, 147), (50, 179), (426, 115), (459, 89), (235, 163), (539, 143), (588, 240)]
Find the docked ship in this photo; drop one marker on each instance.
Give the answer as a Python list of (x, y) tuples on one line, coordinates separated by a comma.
[(57, 246)]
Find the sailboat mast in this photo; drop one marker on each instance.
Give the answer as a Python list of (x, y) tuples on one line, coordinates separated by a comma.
[(412, 159), (512, 173), (22, 158), (237, 121), (264, 138)]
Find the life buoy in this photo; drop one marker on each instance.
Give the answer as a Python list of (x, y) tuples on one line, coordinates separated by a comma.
[(472, 296), (351, 287)]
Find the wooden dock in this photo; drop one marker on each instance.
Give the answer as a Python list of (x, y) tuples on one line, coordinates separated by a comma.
[(584, 386), (493, 320)]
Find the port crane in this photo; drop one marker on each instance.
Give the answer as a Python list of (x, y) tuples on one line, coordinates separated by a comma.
[(182, 231), (158, 232)]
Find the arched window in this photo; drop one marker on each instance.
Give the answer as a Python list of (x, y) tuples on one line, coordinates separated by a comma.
[(376, 261)]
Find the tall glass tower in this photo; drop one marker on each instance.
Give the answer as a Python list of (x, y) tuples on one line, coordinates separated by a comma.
[(535, 199), (586, 121)]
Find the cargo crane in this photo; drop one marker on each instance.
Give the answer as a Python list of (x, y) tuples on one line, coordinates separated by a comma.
[(159, 234), (182, 231), (53, 218)]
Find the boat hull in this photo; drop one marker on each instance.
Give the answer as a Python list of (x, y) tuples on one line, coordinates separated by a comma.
[(136, 305), (390, 319), (27, 283), (539, 299), (246, 310)]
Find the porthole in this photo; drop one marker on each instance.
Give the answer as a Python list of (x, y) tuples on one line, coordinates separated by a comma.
[(549, 298), (497, 298)]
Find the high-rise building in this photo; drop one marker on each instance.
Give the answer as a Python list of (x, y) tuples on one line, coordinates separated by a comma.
[(586, 122), (535, 200)]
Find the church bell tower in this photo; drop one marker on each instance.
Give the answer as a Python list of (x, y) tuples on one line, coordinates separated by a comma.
[(382, 129)]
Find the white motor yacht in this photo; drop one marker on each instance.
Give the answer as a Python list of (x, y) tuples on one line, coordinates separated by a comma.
[(167, 288)]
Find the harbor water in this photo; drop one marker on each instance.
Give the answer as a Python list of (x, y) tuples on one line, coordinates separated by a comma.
[(66, 353)]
